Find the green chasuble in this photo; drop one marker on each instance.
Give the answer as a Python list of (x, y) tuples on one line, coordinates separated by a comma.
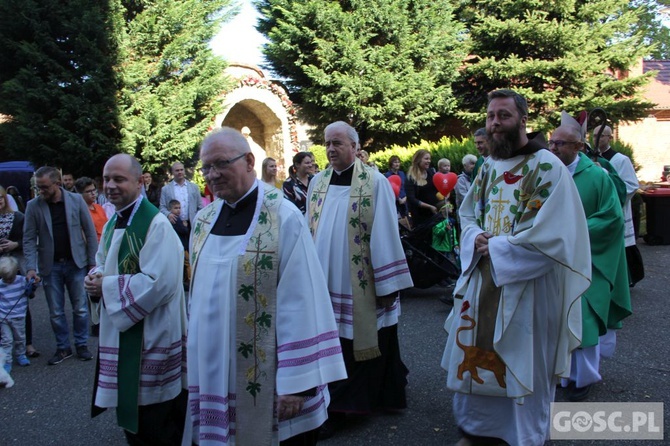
[(607, 301)]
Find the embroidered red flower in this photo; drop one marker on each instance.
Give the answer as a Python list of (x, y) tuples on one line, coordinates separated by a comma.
[(510, 178)]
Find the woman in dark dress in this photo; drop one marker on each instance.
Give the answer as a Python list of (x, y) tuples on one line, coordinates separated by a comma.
[(422, 199), (301, 173)]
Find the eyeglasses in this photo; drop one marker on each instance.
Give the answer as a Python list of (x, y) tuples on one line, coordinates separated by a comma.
[(560, 143), (219, 165), (44, 186)]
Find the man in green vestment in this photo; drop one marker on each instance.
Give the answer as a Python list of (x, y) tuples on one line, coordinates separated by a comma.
[(138, 279), (607, 301)]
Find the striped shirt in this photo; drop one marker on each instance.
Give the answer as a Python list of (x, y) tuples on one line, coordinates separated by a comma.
[(10, 294)]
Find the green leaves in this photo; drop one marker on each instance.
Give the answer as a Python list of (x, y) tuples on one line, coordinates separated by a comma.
[(386, 66), (254, 388), (265, 262), (264, 320), (246, 291), (245, 349), (559, 55)]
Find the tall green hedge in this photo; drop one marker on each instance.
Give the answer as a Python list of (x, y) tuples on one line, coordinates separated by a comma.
[(454, 149)]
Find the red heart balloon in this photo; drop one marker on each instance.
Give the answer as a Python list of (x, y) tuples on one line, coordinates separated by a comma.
[(395, 184), (445, 182)]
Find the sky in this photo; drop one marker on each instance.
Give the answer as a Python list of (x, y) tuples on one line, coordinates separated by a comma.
[(238, 40)]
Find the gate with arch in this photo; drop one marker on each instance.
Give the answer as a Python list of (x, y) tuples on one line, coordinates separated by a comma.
[(264, 107)]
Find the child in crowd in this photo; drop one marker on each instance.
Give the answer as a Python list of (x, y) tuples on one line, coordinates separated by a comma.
[(13, 306), (444, 165), (181, 228)]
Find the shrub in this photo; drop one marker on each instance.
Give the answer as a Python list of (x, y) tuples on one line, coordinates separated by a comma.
[(453, 149)]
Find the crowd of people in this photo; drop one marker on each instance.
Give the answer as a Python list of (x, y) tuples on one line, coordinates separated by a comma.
[(286, 296)]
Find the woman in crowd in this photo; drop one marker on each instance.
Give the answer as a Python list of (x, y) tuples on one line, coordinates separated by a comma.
[(11, 244), (364, 156), (85, 187), (270, 171), (463, 183), (394, 169), (18, 199), (295, 188), (152, 189), (422, 199)]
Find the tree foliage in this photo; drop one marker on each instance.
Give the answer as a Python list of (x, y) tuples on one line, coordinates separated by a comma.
[(651, 25), (171, 81), (561, 55), (57, 83), (385, 66), (82, 80)]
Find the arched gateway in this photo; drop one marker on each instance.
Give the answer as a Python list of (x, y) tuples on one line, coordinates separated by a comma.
[(263, 106)]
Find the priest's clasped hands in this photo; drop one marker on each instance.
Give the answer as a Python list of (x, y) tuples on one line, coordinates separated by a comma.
[(93, 284), (482, 243)]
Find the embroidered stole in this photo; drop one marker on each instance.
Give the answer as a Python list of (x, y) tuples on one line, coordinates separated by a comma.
[(131, 340), (360, 214), (257, 274)]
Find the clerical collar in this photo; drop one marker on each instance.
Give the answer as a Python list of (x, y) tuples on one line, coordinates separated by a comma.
[(240, 201), (342, 178), (573, 165), (124, 215), (235, 218), (608, 154)]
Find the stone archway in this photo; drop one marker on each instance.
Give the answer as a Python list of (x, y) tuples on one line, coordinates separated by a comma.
[(264, 107)]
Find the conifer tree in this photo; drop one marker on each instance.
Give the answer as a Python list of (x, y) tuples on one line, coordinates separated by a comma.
[(561, 55), (384, 66), (58, 84), (171, 81)]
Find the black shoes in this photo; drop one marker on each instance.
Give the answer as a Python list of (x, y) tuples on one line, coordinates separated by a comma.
[(579, 393), (334, 423), (83, 354), (60, 356)]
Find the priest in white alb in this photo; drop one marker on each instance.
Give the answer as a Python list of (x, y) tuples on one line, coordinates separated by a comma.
[(352, 216), (137, 278), (262, 338), (526, 261)]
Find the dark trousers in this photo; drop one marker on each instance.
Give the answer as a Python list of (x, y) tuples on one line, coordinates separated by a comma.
[(160, 424), (308, 438)]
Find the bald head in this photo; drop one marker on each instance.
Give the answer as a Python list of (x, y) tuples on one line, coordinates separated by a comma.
[(566, 142), (122, 178), (227, 164), (605, 138)]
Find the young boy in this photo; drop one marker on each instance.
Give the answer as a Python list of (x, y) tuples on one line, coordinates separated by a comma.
[(13, 306), (181, 228), (444, 165)]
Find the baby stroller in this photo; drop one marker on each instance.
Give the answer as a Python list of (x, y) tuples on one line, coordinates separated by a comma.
[(427, 266)]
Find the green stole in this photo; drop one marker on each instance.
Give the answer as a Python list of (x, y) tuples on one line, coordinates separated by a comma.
[(257, 274), (360, 214), (131, 340)]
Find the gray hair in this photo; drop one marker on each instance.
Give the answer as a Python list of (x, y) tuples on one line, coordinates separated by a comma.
[(351, 132), (480, 132), (469, 158), (229, 135)]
